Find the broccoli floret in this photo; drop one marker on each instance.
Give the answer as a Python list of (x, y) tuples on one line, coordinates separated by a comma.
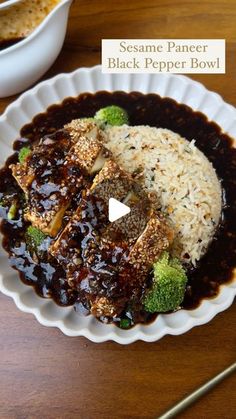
[(112, 115), (23, 154), (125, 323), (168, 289), (11, 215), (34, 238)]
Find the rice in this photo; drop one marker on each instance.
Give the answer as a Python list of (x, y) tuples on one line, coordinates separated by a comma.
[(185, 181)]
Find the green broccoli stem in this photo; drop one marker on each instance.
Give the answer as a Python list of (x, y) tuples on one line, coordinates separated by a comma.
[(23, 154), (168, 288), (125, 323), (11, 215), (34, 238)]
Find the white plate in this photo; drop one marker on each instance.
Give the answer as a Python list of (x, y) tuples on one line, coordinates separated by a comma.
[(52, 91)]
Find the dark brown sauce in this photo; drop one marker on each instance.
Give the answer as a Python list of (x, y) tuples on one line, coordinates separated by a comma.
[(214, 269), (6, 43)]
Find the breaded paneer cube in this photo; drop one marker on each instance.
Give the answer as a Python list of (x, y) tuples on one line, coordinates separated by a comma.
[(88, 148), (23, 174), (56, 170), (66, 249), (111, 182), (49, 222), (156, 238), (46, 152), (128, 227), (55, 179), (103, 307), (84, 127), (89, 154), (131, 226), (79, 233)]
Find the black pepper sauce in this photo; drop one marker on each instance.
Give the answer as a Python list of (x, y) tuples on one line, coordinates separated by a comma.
[(56, 179), (99, 275), (97, 268), (47, 163), (6, 43), (214, 269)]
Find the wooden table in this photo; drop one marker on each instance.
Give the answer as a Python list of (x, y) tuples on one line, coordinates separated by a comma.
[(44, 374)]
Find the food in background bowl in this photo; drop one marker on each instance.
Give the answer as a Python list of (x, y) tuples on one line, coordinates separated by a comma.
[(166, 254), (42, 45), (18, 20)]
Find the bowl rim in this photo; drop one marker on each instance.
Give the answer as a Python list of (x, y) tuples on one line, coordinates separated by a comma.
[(98, 67), (35, 31), (210, 304)]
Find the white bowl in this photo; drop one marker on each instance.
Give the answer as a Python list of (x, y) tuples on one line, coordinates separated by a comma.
[(52, 91), (24, 63)]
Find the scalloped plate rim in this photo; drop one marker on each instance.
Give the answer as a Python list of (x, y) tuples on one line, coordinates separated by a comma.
[(136, 333)]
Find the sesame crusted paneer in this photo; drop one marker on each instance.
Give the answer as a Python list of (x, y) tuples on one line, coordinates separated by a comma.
[(66, 249), (88, 141), (156, 238), (23, 174), (75, 243), (89, 154), (101, 306), (81, 249), (42, 178), (84, 127), (48, 147), (133, 224), (55, 180), (57, 168), (111, 182)]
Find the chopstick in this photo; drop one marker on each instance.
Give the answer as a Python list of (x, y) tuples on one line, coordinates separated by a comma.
[(187, 401)]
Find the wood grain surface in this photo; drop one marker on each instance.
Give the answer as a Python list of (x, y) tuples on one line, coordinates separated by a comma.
[(44, 374)]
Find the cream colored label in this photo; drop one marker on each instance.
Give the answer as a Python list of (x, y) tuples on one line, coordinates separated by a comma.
[(163, 56)]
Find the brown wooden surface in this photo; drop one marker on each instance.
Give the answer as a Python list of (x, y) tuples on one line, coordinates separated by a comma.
[(44, 374)]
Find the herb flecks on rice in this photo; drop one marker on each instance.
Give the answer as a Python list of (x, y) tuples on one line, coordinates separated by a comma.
[(185, 181)]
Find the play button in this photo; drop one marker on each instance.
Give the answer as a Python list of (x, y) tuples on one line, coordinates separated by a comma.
[(117, 210)]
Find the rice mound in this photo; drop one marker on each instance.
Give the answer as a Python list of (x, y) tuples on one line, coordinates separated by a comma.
[(185, 181)]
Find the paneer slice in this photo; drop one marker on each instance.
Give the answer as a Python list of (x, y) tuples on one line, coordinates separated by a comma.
[(56, 170), (88, 148), (111, 182), (156, 238), (74, 247), (23, 174), (102, 306), (54, 182), (88, 139), (47, 152), (66, 249), (81, 131), (84, 158), (84, 127), (50, 222), (131, 226), (89, 154), (90, 219)]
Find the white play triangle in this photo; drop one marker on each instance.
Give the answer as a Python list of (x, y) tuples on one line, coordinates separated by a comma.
[(117, 210)]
